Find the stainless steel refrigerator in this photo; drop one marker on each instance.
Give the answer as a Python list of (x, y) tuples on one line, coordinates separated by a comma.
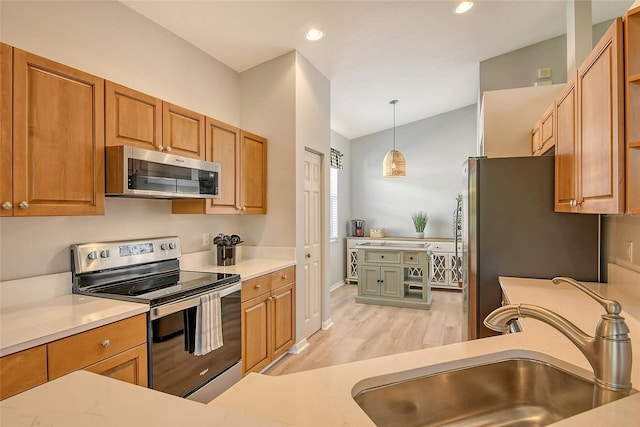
[(510, 229)]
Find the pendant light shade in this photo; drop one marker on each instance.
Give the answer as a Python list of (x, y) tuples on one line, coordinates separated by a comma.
[(394, 165)]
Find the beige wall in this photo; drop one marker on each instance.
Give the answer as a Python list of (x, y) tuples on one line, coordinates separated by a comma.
[(617, 231)]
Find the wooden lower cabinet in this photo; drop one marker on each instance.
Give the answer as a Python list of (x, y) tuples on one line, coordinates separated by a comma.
[(22, 371), (85, 349), (268, 319), (129, 366), (117, 350)]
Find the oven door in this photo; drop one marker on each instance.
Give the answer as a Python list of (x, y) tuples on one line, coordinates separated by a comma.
[(173, 367)]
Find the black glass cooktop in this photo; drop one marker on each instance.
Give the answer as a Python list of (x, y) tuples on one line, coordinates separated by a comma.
[(162, 288)]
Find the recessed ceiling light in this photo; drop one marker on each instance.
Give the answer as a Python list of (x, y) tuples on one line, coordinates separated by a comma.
[(315, 34), (464, 7)]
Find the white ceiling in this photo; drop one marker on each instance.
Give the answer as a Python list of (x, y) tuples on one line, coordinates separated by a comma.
[(418, 52)]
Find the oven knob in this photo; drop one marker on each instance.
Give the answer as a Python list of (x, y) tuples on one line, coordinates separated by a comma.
[(172, 245), (104, 253), (93, 255), (163, 246)]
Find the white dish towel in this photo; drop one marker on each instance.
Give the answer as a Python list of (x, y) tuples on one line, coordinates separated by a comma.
[(208, 324)]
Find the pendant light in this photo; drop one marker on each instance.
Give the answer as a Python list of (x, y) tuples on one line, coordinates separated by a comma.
[(394, 165)]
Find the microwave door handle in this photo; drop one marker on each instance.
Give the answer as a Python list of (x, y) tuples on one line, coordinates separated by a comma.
[(165, 310)]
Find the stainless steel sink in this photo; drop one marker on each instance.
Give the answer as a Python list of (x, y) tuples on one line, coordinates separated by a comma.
[(514, 392)]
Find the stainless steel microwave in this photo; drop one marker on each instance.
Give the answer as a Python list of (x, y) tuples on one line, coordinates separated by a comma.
[(136, 172)]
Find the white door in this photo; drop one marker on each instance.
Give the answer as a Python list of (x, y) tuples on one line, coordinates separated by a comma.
[(312, 242)]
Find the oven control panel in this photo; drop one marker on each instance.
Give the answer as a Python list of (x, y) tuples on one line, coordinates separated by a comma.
[(87, 257)]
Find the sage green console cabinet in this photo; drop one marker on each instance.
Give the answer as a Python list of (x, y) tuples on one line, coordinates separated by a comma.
[(394, 276)]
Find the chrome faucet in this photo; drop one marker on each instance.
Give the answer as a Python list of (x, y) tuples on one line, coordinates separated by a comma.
[(608, 352)]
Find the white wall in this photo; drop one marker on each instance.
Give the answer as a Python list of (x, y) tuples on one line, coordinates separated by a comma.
[(338, 249), (312, 118), (435, 149), (110, 40)]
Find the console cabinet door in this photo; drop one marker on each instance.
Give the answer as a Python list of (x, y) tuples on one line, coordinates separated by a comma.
[(391, 284), (58, 138), (369, 280)]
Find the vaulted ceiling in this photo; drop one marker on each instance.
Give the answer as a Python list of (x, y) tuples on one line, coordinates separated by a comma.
[(418, 52)]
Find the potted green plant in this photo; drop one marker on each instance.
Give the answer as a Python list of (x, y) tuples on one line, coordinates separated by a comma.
[(420, 222)]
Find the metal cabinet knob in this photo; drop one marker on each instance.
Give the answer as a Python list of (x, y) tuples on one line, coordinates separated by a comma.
[(23, 205), (159, 147), (284, 277), (105, 343), (168, 149), (244, 208), (308, 255), (7, 205), (258, 286)]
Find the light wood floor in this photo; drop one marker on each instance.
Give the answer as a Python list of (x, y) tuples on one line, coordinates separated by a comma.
[(364, 331)]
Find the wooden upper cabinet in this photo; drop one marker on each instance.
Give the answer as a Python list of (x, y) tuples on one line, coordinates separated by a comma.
[(566, 148), (6, 137), (182, 131), (632, 108), (601, 126), (547, 130), (132, 118), (58, 138), (243, 173), (535, 138), (253, 173)]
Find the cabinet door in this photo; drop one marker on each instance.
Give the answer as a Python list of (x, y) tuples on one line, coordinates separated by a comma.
[(536, 139), (352, 264), (132, 118), (6, 136), (129, 366), (253, 181), (566, 157), (222, 146), (282, 319), (58, 138), (391, 284), (547, 139), (369, 280), (439, 269), (454, 268), (601, 126), (182, 131), (22, 371), (255, 334)]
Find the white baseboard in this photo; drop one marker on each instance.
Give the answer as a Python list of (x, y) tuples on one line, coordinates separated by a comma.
[(299, 347), (327, 324), (336, 285)]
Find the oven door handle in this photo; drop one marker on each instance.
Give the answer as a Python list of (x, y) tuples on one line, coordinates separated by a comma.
[(192, 301)]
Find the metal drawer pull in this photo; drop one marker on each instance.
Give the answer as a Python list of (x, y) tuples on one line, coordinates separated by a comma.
[(284, 277), (7, 205), (258, 286), (105, 343), (23, 205)]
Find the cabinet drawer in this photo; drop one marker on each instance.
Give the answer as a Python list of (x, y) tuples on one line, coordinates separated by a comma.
[(84, 349), (442, 246), (257, 286), (22, 371), (382, 256), (410, 257), (282, 277)]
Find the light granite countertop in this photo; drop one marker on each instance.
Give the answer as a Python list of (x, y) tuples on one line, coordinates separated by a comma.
[(323, 397)]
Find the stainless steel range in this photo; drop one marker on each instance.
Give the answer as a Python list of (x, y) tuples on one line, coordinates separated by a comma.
[(148, 271)]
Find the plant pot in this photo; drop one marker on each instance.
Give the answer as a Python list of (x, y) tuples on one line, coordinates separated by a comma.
[(420, 234)]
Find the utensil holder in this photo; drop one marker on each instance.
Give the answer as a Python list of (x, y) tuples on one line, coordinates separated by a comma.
[(226, 255)]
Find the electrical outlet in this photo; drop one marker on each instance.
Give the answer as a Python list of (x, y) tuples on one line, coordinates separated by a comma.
[(206, 240), (629, 251)]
